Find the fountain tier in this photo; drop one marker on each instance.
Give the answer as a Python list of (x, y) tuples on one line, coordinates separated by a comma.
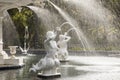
[(5, 61)]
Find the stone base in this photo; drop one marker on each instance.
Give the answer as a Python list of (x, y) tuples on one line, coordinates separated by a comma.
[(4, 54), (1, 56), (64, 60), (13, 61), (25, 53), (1, 61), (9, 67), (46, 76), (31, 54)]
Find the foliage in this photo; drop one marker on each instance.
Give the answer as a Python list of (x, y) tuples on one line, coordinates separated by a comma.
[(21, 20)]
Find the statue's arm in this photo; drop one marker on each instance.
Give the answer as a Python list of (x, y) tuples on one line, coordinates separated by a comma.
[(47, 41), (67, 38)]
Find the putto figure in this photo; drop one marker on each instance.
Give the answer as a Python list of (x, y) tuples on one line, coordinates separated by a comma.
[(50, 63), (62, 43)]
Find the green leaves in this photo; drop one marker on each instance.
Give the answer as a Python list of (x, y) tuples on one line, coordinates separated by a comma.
[(23, 16), (21, 20), (115, 0)]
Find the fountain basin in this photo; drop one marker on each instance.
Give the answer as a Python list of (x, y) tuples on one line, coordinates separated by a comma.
[(1, 60), (78, 68), (10, 66), (16, 61)]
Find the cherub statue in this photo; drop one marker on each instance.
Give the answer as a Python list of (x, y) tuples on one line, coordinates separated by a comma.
[(50, 63), (62, 43)]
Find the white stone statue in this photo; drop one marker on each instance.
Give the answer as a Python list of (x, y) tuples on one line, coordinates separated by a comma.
[(49, 64), (62, 43)]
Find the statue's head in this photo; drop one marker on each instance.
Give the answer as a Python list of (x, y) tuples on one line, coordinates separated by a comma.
[(61, 37), (50, 35)]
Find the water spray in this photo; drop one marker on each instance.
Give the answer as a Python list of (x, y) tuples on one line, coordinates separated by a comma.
[(65, 23), (70, 30)]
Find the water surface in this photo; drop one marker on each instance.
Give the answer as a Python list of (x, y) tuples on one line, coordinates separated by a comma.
[(78, 68)]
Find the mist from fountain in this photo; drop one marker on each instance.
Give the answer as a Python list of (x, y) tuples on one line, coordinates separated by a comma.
[(96, 15), (49, 20), (93, 8), (101, 18), (73, 23), (9, 30)]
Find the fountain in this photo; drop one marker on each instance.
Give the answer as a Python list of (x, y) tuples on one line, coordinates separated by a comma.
[(13, 60), (79, 67), (5, 61), (74, 24), (70, 21), (26, 46), (49, 64)]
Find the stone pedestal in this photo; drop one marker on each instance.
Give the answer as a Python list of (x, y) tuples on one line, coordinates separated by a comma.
[(5, 55), (62, 59), (1, 60), (48, 76), (52, 73), (9, 67), (1, 56), (5, 63), (13, 61)]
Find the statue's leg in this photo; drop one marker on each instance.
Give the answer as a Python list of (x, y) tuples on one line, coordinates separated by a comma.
[(66, 54)]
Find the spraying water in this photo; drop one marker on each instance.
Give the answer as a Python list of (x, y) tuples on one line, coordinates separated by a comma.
[(70, 30), (26, 46), (11, 33), (95, 15), (46, 17), (74, 24), (65, 23)]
